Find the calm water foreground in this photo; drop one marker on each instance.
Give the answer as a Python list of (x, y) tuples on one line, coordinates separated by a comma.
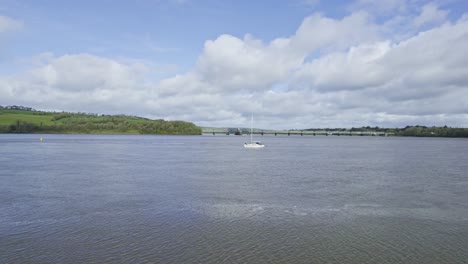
[(206, 199)]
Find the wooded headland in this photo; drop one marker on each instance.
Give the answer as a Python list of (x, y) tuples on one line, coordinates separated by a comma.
[(19, 119)]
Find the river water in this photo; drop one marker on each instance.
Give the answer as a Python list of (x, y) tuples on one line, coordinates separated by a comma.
[(206, 199)]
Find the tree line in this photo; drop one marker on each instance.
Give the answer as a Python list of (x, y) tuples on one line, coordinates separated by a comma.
[(408, 131), (424, 131), (31, 121)]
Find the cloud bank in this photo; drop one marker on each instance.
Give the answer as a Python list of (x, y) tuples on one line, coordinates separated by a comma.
[(345, 72)]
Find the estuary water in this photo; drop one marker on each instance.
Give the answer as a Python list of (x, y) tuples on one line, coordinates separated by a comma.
[(206, 199)]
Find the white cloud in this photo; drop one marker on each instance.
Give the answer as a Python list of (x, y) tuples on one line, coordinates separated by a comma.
[(330, 72), (75, 81), (233, 64), (430, 14), (9, 24), (425, 75), (229, 63), (84, 72), (357, 68), (319, 32)]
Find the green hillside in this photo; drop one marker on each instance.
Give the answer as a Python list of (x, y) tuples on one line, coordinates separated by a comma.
[(26, 120)]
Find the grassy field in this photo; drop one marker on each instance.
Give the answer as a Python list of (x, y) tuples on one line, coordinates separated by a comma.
[(26, 121), (8, 119)]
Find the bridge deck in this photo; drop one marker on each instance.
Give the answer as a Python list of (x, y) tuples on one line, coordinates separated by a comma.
[(308, 133)]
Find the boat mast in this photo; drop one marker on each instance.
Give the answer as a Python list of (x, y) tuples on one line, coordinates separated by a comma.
[(251, 124)]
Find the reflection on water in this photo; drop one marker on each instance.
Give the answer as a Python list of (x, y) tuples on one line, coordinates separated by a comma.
[(206, 199)]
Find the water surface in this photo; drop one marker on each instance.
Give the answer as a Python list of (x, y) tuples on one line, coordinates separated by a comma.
[(206, 199)]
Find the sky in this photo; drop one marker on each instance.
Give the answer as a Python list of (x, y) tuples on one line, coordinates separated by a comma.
[(292, 64)]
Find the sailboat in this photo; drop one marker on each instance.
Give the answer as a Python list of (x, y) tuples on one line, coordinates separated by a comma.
[(252, 144)]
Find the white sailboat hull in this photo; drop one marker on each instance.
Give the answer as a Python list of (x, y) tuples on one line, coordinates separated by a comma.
[(253, 145)]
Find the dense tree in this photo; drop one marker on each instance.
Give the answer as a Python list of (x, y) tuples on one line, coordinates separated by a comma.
[(24, 120)]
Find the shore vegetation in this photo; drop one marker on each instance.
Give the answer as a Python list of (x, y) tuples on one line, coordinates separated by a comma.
[(19, 119)]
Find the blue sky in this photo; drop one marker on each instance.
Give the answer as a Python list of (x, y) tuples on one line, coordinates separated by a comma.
[(166, 31), (339, 63)]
